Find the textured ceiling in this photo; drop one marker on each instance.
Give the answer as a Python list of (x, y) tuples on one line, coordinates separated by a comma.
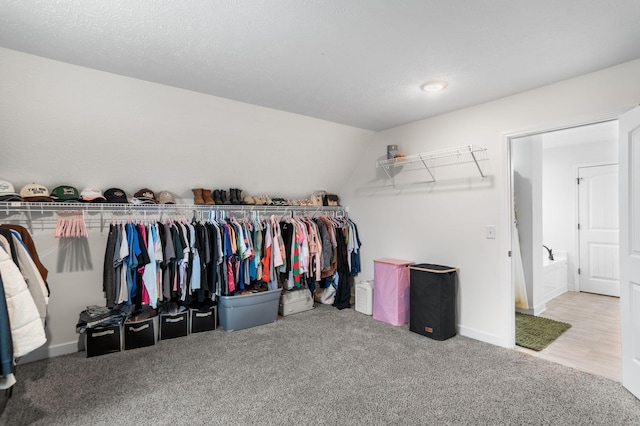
[(356, 62)]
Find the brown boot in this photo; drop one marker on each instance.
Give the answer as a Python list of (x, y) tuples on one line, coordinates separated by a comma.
[(197, 196), (206, 194)]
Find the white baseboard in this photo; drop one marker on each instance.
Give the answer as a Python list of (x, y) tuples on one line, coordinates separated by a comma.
[(45, 352), (557, 292), (536, 310), (482, 336)]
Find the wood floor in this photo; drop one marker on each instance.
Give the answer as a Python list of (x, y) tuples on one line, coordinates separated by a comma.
[(593, 342)]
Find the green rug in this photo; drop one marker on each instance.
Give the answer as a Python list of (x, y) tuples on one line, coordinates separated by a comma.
[(536, 332)]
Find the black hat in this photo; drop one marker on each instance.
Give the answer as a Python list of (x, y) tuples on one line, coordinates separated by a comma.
[(116, 196)]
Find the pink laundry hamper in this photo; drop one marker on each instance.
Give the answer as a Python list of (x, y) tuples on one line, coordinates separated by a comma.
[(391, 291)]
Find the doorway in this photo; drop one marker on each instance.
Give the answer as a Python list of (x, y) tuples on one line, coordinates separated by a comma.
[(550, 209)]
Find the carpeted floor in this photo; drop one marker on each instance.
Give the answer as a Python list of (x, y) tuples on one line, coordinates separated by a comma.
[(319, 367)]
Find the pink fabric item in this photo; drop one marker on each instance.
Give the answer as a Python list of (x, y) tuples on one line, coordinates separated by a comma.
[(391, 291)]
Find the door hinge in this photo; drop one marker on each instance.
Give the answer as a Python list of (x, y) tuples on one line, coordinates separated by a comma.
[(509, 253), (578, 181), (578, 271), (578, 227)]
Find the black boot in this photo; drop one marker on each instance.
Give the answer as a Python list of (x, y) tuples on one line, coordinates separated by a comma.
[(239, 196), (233, 197), (216, 196)]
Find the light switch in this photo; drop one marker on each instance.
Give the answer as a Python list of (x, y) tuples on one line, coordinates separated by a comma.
[(491, 232)]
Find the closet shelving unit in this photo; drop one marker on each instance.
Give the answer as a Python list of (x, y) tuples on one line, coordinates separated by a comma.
[(467, 154), (104, 213)]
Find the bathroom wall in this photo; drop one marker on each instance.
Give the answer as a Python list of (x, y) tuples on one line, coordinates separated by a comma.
[(526, 155)]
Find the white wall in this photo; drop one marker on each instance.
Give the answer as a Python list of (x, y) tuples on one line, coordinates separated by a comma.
[(445, 222), (560, 211), (64, 124)]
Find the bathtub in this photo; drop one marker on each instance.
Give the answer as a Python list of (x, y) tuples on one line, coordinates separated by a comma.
[(554, 273)]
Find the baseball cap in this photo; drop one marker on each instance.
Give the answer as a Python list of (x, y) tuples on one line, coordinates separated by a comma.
[(34, 192), (165, 197), (116, 196), (93, 195), (144, 196), (65, 194), (8, 192)]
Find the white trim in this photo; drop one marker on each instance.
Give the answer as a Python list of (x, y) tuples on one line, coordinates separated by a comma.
[(564, 124), (484, 337), (505, 273), (45, 352)]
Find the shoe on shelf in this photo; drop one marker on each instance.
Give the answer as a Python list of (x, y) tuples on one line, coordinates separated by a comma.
[(198, 198), (223, 197), (233, 196), (206, 194), (217, 197)]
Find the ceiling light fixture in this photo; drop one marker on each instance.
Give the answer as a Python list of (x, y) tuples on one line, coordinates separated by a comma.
[(434, 86)]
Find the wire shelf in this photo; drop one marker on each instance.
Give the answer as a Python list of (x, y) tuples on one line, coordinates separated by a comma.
[(467, 154)]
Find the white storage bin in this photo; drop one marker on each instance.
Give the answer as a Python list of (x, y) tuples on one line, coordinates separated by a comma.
[(364, 297)]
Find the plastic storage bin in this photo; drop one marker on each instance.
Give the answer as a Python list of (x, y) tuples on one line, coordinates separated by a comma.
[(433, 300), (294, 301), (364, 297), (249, 310), (391, 291)]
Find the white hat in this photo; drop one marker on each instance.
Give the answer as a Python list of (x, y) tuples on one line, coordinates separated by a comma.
[(8, 192), (92, 194), (34, 192)]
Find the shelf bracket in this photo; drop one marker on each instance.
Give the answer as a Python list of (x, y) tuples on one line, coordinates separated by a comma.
[(475, 160), (386, 171), (30, 220), (433, 179)]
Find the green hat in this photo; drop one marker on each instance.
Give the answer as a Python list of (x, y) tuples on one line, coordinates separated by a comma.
[(65, 194)]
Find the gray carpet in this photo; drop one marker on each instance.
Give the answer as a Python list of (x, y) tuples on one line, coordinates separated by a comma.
[(319, 367)]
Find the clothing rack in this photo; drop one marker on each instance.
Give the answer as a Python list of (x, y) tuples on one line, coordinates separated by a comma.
[(101, 214)]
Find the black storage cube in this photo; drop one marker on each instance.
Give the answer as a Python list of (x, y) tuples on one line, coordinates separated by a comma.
[(172, 326), (103, 340), (139, 334), (204, 320), (432, 300)]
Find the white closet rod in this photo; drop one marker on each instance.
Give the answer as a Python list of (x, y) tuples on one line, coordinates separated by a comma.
[(47, 214), (16, 207)]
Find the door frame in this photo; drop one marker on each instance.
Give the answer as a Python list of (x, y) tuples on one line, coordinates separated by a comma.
[(506, 211)]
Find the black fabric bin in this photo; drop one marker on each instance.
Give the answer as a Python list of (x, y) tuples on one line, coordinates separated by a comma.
[(432, 300)]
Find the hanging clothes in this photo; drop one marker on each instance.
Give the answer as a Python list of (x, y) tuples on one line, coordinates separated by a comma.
[(23, 302), (185, 261)]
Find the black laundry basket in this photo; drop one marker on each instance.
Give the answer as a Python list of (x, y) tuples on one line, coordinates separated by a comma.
[(432, 300)]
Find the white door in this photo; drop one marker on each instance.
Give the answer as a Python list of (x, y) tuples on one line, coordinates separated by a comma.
[(629, 160), (598, 229)]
